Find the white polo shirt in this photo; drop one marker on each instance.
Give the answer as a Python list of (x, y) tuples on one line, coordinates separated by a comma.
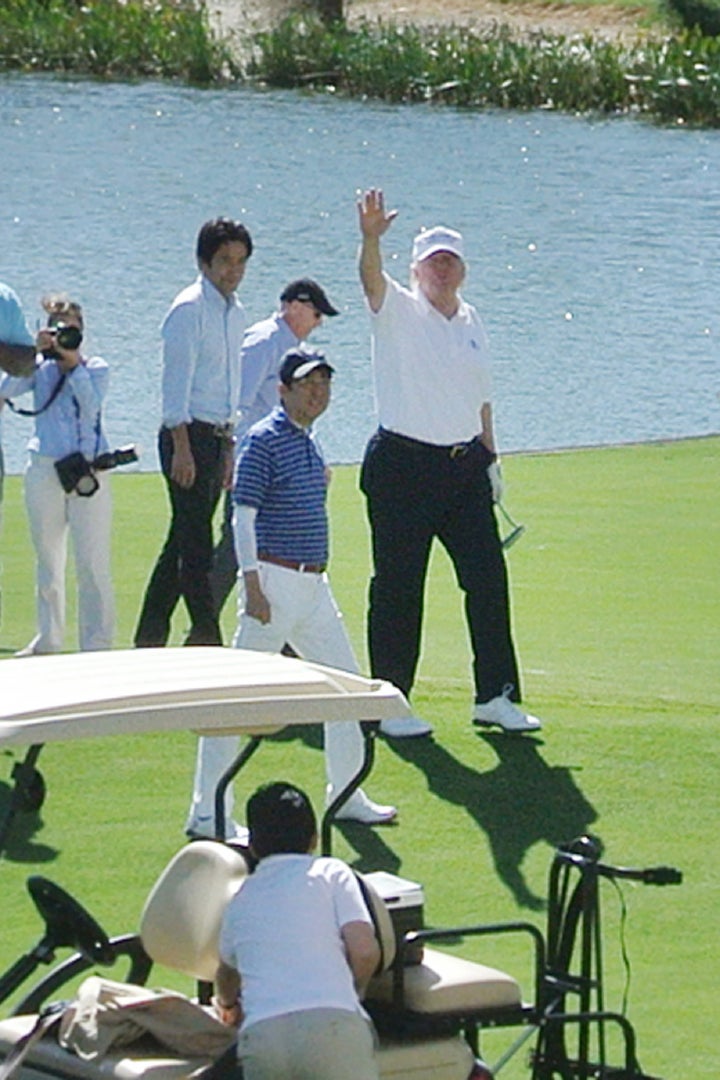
[(281, 931), (432, 374)]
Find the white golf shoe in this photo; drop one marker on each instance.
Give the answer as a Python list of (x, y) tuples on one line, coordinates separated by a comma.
[(502, 712), (203, 828), (405, 727), (363, 810)]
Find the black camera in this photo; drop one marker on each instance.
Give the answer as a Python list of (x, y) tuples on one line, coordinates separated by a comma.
[(111, 459), (75, 474), (66, 336)]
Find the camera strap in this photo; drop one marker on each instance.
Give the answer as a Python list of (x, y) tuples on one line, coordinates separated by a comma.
[(36, 412)]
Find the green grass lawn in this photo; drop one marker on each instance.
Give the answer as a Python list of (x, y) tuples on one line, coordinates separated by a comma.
[(616, 604)]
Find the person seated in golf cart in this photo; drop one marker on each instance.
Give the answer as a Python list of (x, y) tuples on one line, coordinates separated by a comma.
[(297, 949)]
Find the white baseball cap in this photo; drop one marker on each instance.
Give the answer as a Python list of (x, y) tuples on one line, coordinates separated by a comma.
[(429, 241)]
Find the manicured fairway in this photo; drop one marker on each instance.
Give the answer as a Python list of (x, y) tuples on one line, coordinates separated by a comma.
[(616, 602)]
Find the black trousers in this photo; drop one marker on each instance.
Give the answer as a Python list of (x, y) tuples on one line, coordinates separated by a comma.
[(415, 492), (183, 566)]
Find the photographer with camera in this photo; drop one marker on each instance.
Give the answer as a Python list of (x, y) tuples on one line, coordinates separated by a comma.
[(64, 493)]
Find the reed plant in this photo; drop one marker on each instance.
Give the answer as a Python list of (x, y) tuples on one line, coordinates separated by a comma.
[(112, 39), (671, 80)]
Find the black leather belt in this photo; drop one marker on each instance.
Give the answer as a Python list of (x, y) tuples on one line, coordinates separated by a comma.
[(452, 450), (220, 431), (302, 567)]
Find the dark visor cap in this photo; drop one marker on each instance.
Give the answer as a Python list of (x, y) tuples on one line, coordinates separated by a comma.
[(308, 292), (297, 363)]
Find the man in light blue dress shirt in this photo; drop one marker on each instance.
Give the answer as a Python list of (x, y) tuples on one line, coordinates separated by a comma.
[(302, 306), (202, 336)]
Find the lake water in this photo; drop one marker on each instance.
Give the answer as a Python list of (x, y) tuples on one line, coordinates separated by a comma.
[(594, 245)]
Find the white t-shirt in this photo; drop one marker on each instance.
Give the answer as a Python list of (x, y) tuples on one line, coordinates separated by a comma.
[(282, 933), (432, 374)]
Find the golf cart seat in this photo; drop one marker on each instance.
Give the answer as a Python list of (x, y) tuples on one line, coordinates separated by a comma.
[(180, 925), (441, 984), (179, 928), (180, 922)]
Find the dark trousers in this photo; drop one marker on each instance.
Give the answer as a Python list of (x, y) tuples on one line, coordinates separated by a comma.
[(183, 566), (223, 574), (415, 492)]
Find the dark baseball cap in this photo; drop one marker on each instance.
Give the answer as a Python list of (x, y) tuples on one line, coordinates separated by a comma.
[(297, 363), (309, 292)]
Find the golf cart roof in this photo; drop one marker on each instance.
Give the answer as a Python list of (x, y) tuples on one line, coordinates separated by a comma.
[(216, 691)]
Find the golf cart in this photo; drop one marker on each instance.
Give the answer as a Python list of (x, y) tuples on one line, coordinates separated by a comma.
[(429, 1005)]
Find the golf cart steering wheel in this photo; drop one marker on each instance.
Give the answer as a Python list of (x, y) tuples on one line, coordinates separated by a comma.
[(68, 923)]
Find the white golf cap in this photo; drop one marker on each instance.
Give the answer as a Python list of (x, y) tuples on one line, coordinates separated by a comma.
[(430, 241)]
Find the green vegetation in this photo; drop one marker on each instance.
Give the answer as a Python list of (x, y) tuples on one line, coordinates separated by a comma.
[(703, 14), (118, 39), (674, 79), (615, 598), (670, 78)]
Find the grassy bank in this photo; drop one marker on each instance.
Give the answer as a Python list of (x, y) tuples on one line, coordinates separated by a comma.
[(615, 597), (116, 39), (669, 79)]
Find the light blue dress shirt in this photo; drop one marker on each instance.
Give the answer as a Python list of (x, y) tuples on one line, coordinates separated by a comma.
[(202, 336), (73, 420), (263, 347)]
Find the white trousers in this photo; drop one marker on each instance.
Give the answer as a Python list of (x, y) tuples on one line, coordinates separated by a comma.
[(303, 614), (53, 515)]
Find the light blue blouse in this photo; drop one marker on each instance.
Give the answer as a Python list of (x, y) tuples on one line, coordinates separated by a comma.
[(73, 420)]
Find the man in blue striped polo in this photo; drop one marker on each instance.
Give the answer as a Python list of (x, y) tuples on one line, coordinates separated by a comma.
[(281, 541)]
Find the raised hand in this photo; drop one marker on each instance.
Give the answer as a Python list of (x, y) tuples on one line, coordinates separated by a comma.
[(374, 219)]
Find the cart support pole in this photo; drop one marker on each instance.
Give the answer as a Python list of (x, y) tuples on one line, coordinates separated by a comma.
[(370, 732), (227, 778)]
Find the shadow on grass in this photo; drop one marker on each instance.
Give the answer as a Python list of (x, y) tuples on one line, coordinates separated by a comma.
[(18, 843), (373, 853), (519, 803)]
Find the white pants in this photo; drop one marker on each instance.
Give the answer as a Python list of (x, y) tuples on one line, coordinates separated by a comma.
[(303, 614), (53, 514)]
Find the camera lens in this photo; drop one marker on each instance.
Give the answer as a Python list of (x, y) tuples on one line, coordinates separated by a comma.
[(87, 485), (68, 337)]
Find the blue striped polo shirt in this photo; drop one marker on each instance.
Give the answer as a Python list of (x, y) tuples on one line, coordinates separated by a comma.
[(281, 472)]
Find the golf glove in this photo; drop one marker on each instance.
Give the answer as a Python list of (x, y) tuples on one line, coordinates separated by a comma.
[(497, 485)]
